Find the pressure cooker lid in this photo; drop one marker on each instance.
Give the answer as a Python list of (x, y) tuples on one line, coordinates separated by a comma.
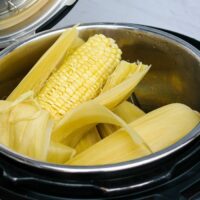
[(21, 18), (8, 7)]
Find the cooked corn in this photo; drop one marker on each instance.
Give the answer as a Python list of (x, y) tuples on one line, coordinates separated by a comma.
[(81, 76)]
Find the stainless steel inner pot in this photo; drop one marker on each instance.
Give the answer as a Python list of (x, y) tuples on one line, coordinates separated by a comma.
[(174, 77)]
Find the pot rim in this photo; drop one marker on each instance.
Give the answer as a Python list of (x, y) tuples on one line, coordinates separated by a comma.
[(191, 136)]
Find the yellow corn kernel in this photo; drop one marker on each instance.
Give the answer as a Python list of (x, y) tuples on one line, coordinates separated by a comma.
[(81, 76)]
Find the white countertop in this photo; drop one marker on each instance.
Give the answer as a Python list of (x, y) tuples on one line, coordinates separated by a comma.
[(181, 16)]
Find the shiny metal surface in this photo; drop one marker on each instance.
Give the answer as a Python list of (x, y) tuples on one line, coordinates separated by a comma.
[(28, 26), (174, 77)]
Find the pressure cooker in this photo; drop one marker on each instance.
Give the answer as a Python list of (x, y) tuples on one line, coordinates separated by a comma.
[(172, 173)]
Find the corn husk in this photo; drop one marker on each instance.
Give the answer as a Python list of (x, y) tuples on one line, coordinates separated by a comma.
[(106, 129), (115, 148), (59, 153), (50, 60), (26, 128), (114, 96), (127, 111), (89, 139), (159, 129), (89, 113), (109, 98), (119, 75)]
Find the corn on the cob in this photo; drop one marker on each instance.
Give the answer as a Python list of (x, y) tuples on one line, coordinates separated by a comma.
[(81, 76), (159, 128), (89, 139), (127, 86), (71, 139), (75, 76), (62, 92)]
